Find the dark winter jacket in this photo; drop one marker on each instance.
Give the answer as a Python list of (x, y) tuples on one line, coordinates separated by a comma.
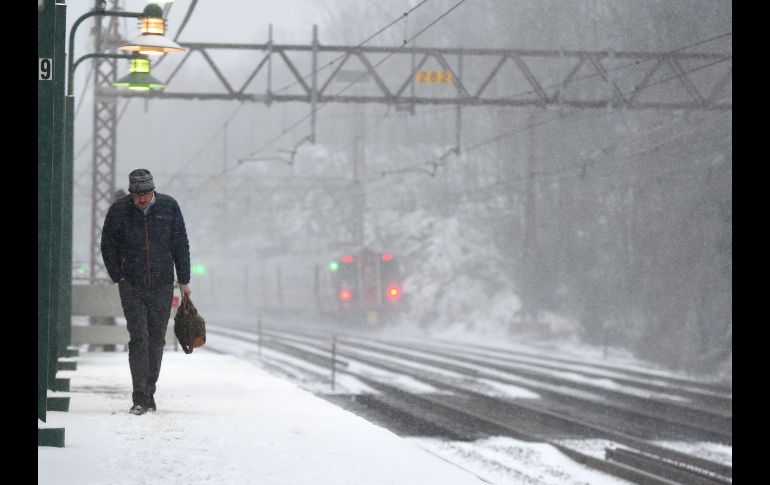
[(145, 249)]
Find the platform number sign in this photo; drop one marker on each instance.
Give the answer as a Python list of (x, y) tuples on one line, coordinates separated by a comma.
[(45, 69)]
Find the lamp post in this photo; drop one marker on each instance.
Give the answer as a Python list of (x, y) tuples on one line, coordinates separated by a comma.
[(65, 330), (151, 41)]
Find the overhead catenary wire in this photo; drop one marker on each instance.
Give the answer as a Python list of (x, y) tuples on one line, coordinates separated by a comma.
[(404, 16), (351, 83), (617, 68), (289, 129), (438, 19), (210, 140), (564, 173), (578, 170), (636, 63), (679, 49), (433, 161), (405, 41)]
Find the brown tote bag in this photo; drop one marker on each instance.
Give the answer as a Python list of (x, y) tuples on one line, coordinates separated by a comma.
[(189, 326)]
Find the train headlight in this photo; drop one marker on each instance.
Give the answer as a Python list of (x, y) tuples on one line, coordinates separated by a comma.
[(393, 291)]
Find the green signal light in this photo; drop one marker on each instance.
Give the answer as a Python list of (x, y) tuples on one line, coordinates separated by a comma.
[(81, 270), (198, 269), (334, 266)]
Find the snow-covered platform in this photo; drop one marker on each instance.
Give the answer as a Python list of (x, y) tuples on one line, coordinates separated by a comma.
[(221, 420)]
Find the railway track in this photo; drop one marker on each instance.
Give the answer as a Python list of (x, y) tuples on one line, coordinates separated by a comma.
[(674, 418), (460, 411)]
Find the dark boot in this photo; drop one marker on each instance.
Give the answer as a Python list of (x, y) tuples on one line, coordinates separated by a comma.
[(138, 409)]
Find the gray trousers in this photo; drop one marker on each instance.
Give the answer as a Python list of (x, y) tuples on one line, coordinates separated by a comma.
[(147, 311)]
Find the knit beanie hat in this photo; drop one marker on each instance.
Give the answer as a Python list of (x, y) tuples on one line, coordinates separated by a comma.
[(139, 181)]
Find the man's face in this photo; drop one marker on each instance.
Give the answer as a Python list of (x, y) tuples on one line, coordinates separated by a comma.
[(142, 200)]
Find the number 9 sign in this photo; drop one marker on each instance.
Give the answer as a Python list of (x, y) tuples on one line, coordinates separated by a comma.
[(45, 69)]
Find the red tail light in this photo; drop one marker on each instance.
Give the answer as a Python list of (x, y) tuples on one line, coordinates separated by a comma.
[(393, 291), (345, 294)]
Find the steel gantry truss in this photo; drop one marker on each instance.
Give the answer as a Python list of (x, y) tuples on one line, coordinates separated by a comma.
[(579, 79), (390, 75)]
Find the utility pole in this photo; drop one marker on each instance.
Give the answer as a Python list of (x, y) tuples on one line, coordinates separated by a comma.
[(314, 86), (530, 278), (358, 189), (279, 286)]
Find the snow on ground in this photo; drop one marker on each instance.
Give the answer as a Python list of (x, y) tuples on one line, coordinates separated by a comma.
[(507, 461), (238, 424), (223, 420)]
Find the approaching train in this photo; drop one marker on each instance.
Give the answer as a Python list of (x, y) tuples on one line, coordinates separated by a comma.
[(367, 284)]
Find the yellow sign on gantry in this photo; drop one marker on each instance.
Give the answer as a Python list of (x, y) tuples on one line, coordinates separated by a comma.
[(433, 77)]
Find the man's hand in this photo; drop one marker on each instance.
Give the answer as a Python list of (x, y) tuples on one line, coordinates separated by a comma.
[(185, 289)]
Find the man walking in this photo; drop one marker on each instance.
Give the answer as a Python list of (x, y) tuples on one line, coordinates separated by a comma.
[(143, 239)]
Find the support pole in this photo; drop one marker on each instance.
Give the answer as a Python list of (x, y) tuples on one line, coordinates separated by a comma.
[(459, 110), (46, 22), (334, 359), (269, 97), (50, 158), (412, 85), (66, 196), (316, 286), (610, 86), (314, 89), (57, 176), (561, 82), (259, 335)]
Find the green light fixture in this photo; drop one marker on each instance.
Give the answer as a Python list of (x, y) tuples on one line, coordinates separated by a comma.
[(139, 79), (151, 41), (198, 269)]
